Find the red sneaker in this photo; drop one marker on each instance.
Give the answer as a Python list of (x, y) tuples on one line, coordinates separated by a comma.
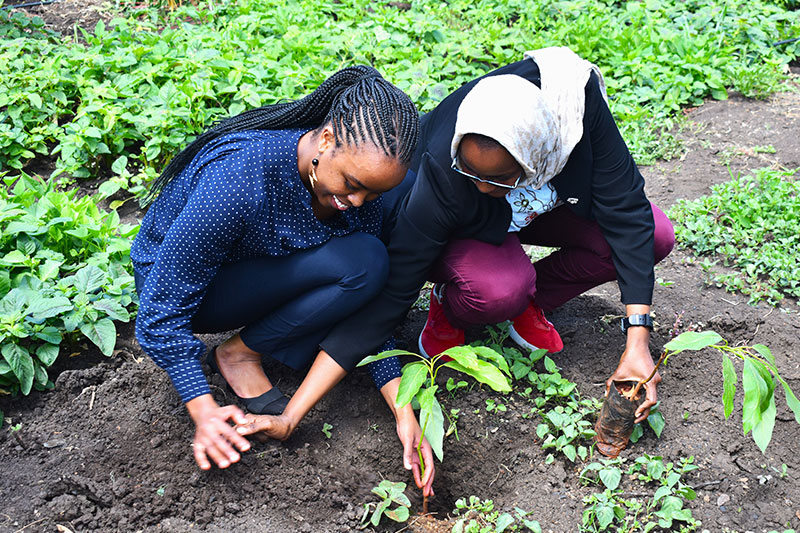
[(438, 334), (533, 331)]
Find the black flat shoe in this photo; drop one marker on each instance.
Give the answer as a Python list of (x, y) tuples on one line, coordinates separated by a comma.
[(272, 402)]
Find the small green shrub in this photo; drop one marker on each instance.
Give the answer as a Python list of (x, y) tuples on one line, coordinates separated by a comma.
[(65, 273)]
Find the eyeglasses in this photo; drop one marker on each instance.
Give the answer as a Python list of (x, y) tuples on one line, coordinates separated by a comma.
[(454, 166)]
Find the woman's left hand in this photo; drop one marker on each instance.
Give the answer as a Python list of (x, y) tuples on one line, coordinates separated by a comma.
[(264, 427), (410, 433)]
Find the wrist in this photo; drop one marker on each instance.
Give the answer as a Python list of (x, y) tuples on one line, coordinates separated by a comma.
[(200, 406)]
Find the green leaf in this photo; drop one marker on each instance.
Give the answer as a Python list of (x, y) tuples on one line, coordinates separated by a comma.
[(610, 477), (49, 334), (765, 353), (762, 431), (482, 371), (49, 269), (503, 521), (605, 515), (637, 433), (693, 340), (729, 381), (570, 452), (550, 365), (384, 355), (89, 279), (5, 282), (47, 354), (119, 165), (432, 420), (113, 309), (492, 355), (656, 422), (400, 514), (791, 400), (414, 375), (755, 391), (41, 307), (21, 365), (102, 333), (533, 525), (14, 257)]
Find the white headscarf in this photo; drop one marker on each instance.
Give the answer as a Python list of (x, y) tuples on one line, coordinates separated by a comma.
[(539, 127)]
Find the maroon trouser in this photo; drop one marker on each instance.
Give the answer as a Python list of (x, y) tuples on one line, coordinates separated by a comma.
[(487, 284)]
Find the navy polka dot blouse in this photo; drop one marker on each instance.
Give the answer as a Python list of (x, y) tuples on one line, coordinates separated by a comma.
[(240, 198)]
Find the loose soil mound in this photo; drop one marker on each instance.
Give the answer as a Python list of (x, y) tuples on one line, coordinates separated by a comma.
[(108, 449)]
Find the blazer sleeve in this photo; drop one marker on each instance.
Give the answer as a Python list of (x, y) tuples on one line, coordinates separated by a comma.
[(425, 220), (619, 204)]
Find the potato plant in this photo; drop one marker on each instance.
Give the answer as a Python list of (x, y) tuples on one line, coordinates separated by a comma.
[(65, 273)]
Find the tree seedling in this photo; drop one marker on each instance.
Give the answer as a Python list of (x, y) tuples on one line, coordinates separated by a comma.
[(760, 377), (390, 493), (419, 381)]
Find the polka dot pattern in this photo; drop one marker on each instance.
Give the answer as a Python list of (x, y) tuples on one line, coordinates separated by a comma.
[(240, 198), (385, 370)]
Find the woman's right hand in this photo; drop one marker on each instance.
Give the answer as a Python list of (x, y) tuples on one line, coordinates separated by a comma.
[(214, 437)]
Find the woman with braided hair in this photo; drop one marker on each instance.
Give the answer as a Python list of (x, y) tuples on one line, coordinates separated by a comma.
[(270, 221)]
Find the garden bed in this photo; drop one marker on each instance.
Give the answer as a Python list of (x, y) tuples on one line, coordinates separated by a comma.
[(108, 449)]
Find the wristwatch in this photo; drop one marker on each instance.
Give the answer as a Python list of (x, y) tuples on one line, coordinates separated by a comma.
[(636, 320)]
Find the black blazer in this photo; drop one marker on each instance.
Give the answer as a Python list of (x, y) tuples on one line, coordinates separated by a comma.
[(600, 182)]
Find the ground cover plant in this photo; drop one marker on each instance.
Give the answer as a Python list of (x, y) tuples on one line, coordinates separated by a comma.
[(65, 274), (749, 224), (116, 101)]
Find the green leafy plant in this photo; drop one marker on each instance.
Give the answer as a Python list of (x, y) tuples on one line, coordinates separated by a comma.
[(418, 382), (609, 510), (565, 425), (66, 274), (390, 494), (748, 224), (760, 378), (326, 430), (479, 516)]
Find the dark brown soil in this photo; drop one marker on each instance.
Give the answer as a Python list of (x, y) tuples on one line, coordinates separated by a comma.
[(108, 449)]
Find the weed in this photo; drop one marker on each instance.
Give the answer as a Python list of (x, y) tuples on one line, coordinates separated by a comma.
[(326, 430)]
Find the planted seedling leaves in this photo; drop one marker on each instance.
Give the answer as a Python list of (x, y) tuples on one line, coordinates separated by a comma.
[(492, 355), (605, 515), (693, 340), (382, 355), (102, 333), (729, 381), (113, 309), (762, 432), (414, 375), (503, 521), (432, 420), (482, 371)]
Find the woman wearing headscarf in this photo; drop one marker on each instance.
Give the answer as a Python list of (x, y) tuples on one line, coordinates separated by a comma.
[(528, 154)]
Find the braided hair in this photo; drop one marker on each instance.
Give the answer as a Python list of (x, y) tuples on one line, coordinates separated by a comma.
[(357, 101)]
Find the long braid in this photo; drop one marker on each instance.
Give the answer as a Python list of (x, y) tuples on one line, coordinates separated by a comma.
[(357, 101)]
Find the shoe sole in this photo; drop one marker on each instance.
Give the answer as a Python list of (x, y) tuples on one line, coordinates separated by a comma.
[(516, 337), (422, 351)]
